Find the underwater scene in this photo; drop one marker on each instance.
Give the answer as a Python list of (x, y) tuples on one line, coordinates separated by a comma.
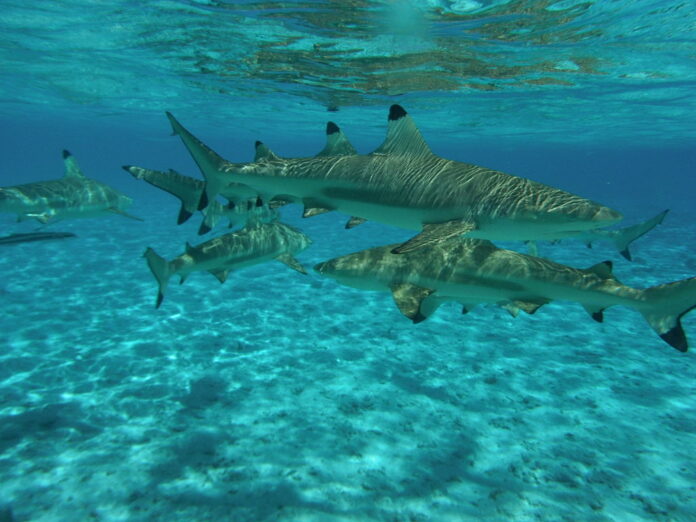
[(347, 261)]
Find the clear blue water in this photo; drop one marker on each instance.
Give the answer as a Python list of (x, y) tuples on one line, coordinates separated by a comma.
[(278, 396)]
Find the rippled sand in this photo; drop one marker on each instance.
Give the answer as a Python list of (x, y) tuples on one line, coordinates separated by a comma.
[(278, 396)]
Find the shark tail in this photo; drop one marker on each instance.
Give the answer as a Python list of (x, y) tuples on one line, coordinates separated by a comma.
[(669, 303), (208, 161), (625, 236), (161, 270)]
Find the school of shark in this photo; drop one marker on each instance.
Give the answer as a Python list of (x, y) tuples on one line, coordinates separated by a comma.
[(456, 210)]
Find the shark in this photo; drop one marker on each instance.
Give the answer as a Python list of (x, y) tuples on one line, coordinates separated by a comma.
[(238, 209), (72, 196), (403, 183), (255, 243), (475, 271)]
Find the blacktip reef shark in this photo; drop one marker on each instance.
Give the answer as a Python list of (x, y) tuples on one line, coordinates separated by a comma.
[(473, 271), (254, 244), (189, 191), (403, 183), (72, 196)]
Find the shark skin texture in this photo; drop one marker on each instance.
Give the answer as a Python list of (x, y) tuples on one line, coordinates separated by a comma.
[(402, 183), (188, 190), (256, 243), (72, 196), (474, 271)]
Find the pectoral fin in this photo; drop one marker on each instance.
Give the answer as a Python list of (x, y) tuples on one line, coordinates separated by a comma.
[(220, 275), (292, 263), (596, 313), (409, 298), (435, 233), (515, 306)]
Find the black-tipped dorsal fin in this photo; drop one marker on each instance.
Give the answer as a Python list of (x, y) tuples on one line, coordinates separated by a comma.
[(72, 169), (403, 137), (263, 153), (602, 269), (336, 142)]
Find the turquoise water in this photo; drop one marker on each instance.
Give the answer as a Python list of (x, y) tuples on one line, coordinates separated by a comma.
[(281, 396)]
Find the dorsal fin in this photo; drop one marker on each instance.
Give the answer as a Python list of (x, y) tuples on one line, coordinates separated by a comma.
[(72, 169), (602, 269), (403, 137), (263, 153), (336, 142)]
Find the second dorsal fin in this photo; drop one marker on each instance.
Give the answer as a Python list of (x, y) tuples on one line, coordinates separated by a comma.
[(403, 137), (603, 269)]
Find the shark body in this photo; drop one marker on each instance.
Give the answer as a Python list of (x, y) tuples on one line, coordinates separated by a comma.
[(189, 190), (403, 183), (254, 244), (473, 271), (72, 196)]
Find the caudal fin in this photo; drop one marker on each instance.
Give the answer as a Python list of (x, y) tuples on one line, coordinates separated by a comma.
[(669, 303), (209, 161), (161, 270), (625, 236)]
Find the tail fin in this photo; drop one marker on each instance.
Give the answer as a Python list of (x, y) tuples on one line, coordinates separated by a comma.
[(669, 303), (625, 236), (207, 160), (161, 270)]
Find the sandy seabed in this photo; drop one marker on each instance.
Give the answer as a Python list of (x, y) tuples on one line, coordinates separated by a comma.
[(278, 396)]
